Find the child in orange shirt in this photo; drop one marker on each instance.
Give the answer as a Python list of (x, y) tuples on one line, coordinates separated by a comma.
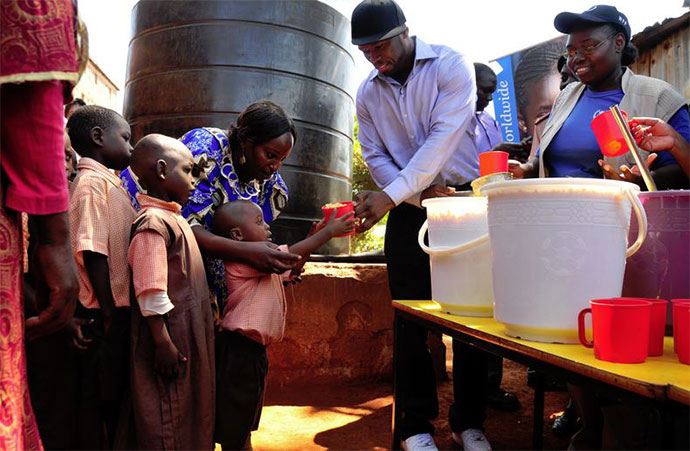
[(173, 366), (100, 218), (253, 317)]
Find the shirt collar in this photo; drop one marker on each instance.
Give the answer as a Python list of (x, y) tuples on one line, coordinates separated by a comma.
[(422, 51), (135, 179), (93, 165), (147, 201)]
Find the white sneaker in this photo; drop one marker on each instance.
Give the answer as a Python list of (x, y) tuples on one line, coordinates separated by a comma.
[(472, 440), (419, 442)]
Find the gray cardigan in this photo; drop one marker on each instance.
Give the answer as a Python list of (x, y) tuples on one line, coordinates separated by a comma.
[(642, 96)]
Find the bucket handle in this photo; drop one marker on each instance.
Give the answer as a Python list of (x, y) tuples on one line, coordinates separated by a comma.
[(641, 223), (636, 204), (449, 250)]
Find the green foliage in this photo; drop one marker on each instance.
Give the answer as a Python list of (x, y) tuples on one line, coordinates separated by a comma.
[(361, 180), (371, 240)]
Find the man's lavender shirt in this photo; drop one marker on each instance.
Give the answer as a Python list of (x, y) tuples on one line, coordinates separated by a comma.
[(411, 134)]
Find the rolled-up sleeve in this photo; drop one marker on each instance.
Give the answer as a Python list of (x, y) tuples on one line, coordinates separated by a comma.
[(450, 117), (148, 258)]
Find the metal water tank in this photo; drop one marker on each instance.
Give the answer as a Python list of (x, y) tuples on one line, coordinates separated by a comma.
[(199, 63)]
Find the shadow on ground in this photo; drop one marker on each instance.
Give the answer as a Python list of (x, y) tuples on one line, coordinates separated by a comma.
[(349, 417)]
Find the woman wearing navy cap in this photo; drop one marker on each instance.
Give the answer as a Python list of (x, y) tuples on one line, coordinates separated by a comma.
[(598, 51)]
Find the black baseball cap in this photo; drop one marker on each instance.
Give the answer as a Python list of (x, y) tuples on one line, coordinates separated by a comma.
[(599, 14), (376, 20)]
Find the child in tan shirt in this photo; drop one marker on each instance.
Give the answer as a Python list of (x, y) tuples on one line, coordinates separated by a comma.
[(173, 366), (100, 218), (253, 317)]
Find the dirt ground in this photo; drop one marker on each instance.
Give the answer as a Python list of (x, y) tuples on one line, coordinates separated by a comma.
[(353, 417)]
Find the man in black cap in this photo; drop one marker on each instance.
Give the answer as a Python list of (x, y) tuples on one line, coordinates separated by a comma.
[(413, 112)]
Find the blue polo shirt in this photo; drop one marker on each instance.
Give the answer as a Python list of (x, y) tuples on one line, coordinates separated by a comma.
[(574, 151)]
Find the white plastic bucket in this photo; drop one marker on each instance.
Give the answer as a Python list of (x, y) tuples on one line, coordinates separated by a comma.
[(557, 244), (460, 254)]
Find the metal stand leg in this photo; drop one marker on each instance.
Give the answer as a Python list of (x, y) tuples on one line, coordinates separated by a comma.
[(397, 324), (538, 413)]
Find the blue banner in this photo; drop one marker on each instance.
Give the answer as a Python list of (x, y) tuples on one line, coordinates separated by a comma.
[(505, 105)]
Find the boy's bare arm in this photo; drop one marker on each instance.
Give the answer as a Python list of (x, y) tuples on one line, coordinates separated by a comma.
[(168, 357), (98, 271), (335, 227)]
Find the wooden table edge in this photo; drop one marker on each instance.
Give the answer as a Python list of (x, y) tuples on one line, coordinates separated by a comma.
[(649, 390)]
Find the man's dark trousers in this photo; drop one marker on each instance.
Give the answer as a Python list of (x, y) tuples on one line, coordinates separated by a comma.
[(410, 279)]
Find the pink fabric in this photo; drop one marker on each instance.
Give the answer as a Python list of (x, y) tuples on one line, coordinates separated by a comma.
[(32, 149), (18, 429), (38, 39), (256, 304)]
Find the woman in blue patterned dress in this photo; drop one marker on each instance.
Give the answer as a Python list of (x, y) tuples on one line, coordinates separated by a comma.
[(239, 164)]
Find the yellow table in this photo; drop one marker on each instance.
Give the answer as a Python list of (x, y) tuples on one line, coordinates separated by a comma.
[(660, 378)]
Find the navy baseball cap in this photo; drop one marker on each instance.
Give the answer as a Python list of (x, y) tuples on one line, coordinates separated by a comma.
[(376, 20), (599, 14)]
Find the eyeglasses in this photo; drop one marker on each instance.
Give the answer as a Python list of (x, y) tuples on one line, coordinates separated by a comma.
[(588, 49)]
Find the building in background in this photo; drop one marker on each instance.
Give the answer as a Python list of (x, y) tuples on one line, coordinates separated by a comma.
[(96, 88), (665, 52)]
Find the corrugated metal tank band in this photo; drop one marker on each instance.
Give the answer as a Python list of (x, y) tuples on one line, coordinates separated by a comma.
[(199, 63)]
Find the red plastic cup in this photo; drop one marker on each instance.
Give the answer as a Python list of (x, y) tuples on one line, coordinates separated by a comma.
[(675, 302), (341, 209), (608, 134), (620, 327), (492, 162), (681, 331), (657, 325)]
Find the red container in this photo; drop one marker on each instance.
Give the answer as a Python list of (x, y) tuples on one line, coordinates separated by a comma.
[(492, 162), (341, 209), (620, 327), (660, 269), (681, 331), (673, 312), (608, 134)]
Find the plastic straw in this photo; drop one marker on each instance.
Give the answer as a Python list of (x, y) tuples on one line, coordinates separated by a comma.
[(630, 141)]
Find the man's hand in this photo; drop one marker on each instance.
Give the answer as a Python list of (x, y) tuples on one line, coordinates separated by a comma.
[(55, 265), (652, 134), (371, 207), (436, 191), (265, 257)]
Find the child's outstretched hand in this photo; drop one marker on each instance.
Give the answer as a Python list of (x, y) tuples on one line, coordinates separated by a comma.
[(343, 224), (168, 360), (316, 226)]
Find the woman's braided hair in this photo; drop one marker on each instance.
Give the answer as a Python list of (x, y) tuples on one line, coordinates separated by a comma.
[(536, 64), (260, 122)]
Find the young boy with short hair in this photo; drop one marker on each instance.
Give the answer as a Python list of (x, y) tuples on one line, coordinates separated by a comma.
[(173, 360), (253, 318), (100, 219)]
